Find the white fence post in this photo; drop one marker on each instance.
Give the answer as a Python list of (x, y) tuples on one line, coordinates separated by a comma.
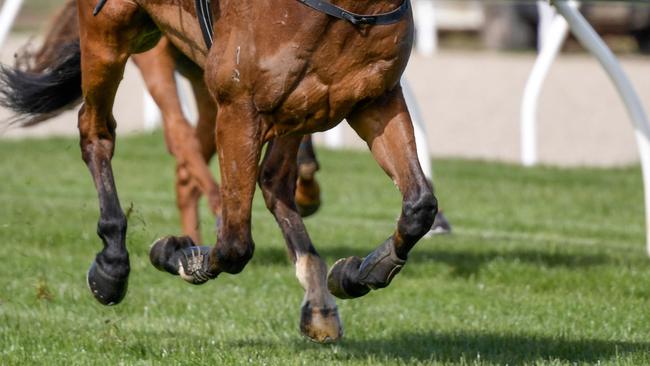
[(590, 40), (550, 44), (8, 14), (425, 23), (419, 129), (334, 137), (151, 115), (546, 16)]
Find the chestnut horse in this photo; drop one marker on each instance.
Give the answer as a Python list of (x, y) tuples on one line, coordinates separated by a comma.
[(277, 70), (191, 147)]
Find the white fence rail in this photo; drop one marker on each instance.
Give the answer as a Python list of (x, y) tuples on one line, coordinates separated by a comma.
[(569, 17), (8, 15)]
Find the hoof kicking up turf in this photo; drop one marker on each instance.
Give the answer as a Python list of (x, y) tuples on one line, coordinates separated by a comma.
[(106, 288), (179, 256)]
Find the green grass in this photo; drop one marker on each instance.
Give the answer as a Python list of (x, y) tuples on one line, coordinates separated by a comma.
[(546, 266)]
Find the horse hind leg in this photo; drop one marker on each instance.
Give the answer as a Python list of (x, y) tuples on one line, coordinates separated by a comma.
[(106, 42), (307, 187), (386, 127), (191, 152), (319, 319)]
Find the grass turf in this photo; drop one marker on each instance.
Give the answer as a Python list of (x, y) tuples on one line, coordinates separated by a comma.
[(546, 266)]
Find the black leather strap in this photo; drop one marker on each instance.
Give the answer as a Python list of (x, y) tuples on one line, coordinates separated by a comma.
[(204, 15), (358, 19), (99, 7)]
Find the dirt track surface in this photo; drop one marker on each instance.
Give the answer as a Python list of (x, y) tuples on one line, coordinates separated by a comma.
[(470, 102)]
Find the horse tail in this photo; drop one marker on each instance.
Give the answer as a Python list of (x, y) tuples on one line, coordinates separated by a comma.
[(45, 83)]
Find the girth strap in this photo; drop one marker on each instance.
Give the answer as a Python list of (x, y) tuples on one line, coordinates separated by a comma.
[(357, 19), (204, 15)]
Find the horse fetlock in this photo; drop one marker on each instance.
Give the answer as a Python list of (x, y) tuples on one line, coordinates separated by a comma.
[(233, 258), (417, 216), (180, 256), (112, 229), (320, 324), (307, 169)]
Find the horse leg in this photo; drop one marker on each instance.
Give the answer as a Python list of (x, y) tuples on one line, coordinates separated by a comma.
[(386, 127), (105, 42), (307, 188), (193, 176), (239, 138), (319, 317), (204, 134)]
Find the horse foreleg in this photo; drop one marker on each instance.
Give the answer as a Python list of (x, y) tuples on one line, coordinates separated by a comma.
[(193, 176), (319, 318), (105, 47), (204, 134), (307, 188), (386, 127), (239, 139)]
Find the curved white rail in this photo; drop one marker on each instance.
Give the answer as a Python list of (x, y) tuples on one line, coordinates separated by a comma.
[(551, 39), (8, 14), (590, 40)]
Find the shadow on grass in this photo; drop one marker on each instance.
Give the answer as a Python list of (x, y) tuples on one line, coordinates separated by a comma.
[(495, 348), (463, 263), (424, 346)]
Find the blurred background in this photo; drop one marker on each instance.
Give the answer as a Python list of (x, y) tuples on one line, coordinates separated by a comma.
[(468, 73)]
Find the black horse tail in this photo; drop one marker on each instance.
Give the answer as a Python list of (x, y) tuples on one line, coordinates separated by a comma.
[(47, 82)]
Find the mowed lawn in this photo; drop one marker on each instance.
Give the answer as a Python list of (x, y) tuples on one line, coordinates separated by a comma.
[(546, 266)]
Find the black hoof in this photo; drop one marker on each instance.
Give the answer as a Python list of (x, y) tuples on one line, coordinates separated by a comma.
[(308, 210), (353, 277), (179, 256), (108, 290), (343, 279)]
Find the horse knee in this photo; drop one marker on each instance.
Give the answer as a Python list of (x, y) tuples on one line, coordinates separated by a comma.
[(110, 227), (233, 257), (418, 215)]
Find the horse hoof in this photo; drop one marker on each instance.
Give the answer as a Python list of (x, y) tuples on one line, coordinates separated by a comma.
[(306, 210), (307, 194), (179, 256), (342, 279), (307, 198), (108, 290), (321, 325)]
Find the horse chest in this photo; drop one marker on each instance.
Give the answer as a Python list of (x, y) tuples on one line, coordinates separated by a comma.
[(316, 105)]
